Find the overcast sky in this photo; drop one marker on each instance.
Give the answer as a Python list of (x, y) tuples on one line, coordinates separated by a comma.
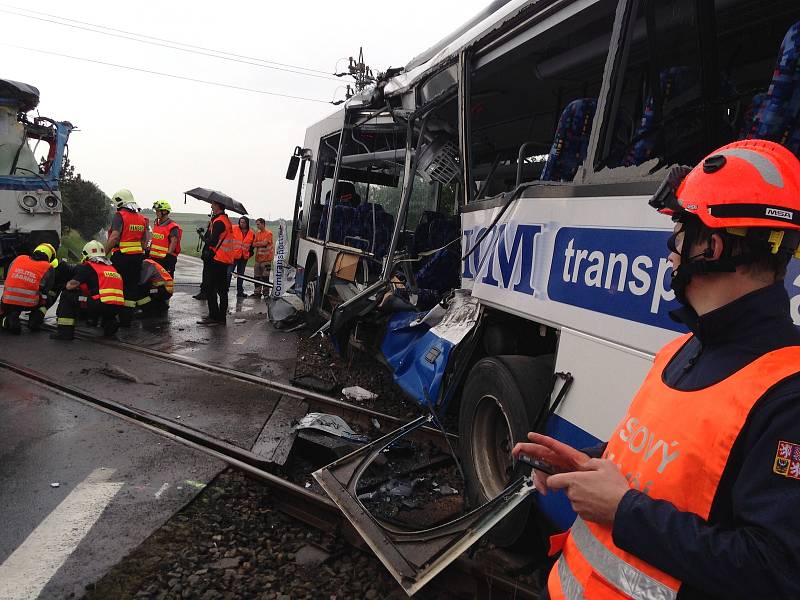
[(159, 136)]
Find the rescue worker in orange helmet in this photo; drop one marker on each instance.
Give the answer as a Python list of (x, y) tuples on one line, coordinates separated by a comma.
[(127, 242), (29, 279), (165, 244), (697, 490), (95, 291), (218, 256), (157, 286)]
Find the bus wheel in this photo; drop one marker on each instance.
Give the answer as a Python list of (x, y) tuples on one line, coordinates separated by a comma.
[(311, 290), (502, 397)]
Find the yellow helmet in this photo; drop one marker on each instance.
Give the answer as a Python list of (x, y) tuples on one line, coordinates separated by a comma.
[(124, 199), (47, 250), (93, 249), (162, 205)]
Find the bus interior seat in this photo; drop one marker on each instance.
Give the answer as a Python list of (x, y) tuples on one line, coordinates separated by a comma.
[(422, 235), (777, 116), (571, 141), (370, 224), (673, 81)]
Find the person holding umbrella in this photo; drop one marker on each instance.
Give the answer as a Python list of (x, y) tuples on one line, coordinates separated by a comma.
[(218, 255), (219, 252)]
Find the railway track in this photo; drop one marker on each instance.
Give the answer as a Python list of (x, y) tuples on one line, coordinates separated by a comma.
[(317, 402), (294, 500)]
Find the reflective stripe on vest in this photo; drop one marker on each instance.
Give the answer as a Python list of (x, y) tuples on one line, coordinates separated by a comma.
[(134, 227), (24, 280), (109, 285), (243, 242), (225, 250), (159, 246), (165, 278), (264, 253), (667, 437)]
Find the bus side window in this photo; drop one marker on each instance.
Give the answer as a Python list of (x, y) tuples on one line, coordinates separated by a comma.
[(695, 80)]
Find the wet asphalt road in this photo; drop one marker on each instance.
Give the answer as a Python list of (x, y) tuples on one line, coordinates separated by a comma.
[(118, 483)]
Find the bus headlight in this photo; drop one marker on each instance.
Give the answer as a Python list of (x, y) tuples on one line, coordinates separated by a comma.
[(29, 202), (51, 202)]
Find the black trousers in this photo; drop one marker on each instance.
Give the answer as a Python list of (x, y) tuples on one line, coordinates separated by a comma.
[(168, 262), (217, 290), (129, 266), (158, 300), (69, 309), (35, 315), (206, 274)]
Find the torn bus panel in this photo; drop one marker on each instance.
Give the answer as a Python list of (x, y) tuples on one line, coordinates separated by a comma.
[(412, 557), (421, 348)]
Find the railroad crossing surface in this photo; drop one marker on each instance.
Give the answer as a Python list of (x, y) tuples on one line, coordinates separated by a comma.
[(79, 489)]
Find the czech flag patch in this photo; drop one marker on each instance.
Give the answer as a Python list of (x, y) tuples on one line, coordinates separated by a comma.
[(787, 460)]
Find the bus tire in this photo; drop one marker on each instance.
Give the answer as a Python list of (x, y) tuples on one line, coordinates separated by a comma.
[(311, 289), (503, 395)]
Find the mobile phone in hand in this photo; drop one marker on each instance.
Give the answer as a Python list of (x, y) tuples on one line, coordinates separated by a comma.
[(540, 465)]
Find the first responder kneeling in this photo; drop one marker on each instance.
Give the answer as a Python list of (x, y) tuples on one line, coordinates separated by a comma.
[(156, 287), (93, 292), (29, 280)]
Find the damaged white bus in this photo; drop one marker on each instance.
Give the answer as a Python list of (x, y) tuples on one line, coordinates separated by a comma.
[(479, 221)]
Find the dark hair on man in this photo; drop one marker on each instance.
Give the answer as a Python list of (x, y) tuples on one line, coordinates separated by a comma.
[(260, 220)]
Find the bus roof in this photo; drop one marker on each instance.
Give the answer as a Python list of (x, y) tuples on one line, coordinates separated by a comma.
[(492, 17)]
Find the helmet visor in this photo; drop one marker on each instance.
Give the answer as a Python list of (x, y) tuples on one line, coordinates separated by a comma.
[(665, 200)]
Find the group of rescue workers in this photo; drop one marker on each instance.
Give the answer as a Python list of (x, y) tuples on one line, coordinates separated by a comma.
[(133, 270), (100, 290)]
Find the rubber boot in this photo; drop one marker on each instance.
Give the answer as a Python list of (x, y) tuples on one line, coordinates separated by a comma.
[(35, 320), (64, 332), (110, 326), (11, 323)]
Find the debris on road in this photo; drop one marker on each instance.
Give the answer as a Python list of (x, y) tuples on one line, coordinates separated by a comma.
[(331, 424), (114, 372), (314, 383), (358, 393)]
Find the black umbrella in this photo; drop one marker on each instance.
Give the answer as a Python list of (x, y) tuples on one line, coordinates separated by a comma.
[(215, 196)]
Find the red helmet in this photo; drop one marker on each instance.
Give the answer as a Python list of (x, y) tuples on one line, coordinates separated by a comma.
[(750, 183)]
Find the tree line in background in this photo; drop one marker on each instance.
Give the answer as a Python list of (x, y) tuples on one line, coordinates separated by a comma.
[(86, 209)]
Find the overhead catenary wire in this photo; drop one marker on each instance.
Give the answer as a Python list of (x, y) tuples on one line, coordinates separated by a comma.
[(166, 43), (162, 74)]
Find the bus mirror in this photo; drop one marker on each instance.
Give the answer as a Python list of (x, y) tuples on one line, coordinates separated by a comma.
[(291, 171)]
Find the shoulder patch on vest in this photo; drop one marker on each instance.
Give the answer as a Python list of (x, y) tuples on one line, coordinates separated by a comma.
[(787, 460)]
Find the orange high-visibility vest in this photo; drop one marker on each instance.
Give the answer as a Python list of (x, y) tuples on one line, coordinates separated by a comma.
[(159, 245), (22, 287), (264, 253), (109, 285), (672, 445), (243, 242), (164, 278), (134, 228), (225, 250)]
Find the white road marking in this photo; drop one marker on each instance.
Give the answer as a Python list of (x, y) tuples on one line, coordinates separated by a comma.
[(25, 573), (161, 490)]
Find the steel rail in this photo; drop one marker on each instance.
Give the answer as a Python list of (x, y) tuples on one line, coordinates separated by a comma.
[(290, 498), (315, 399)]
